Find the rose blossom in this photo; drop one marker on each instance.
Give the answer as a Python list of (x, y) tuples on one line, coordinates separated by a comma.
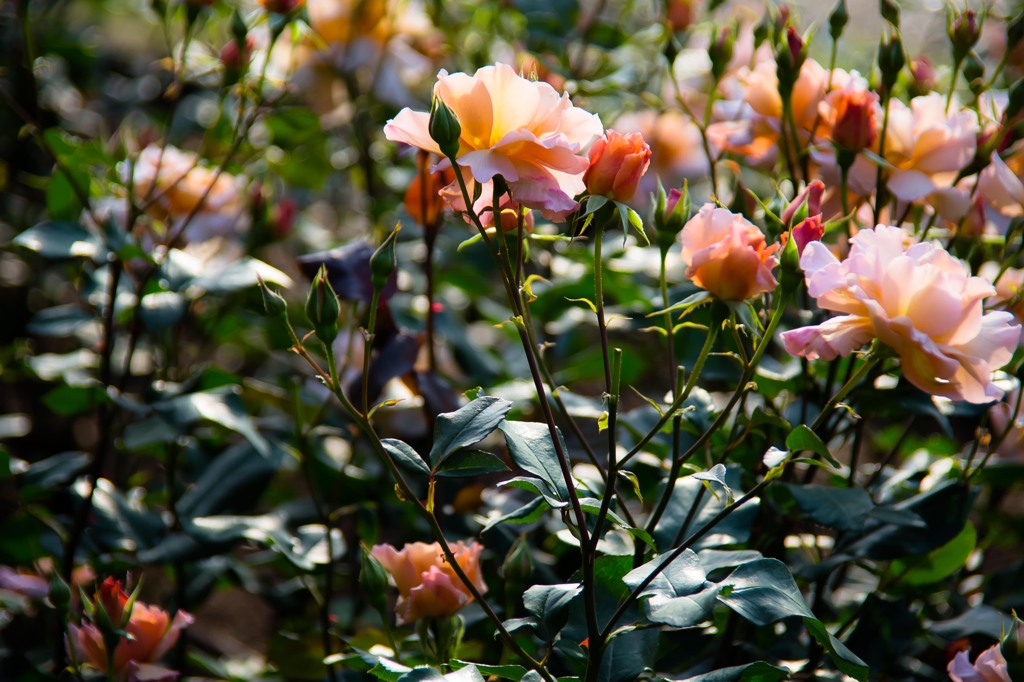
[(427, 585), (915, 298), (726, 254), (928, 147), (849, 111), (174, 186), (1002, 188), (990, 666), (150, 634), (617, 162), (519, 129)]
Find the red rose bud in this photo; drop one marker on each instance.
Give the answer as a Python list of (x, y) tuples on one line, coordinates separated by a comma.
[(811, 195), (112, 599), (679, 14), (796, 45), (617, 162), (810, 230)]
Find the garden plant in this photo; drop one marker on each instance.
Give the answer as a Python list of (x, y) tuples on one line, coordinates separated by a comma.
[(596, 340)]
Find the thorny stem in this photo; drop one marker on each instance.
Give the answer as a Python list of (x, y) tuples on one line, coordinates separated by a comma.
[(371, 327)]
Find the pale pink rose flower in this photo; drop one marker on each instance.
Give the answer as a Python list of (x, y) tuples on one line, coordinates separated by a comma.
[(173, 185), (24, 583), (519, 129), (927, 148), (1009, 289), (989, 667), (1002, 188), (427, 585), (918, 300), (726, 254)]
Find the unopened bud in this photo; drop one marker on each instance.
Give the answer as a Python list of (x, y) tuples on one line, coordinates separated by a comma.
[(1015, 100), (964, 29), (1015, 30), (890, 11), (238, 28), (1012, 648), (60, 593), (322, 307), (274, 304), (891, 60), (974, 73), (383, 261), (720, 51), (923, 76), (444, 128), (518, 565), (373, 579), (679, 14), (670, 215), (837, 20)]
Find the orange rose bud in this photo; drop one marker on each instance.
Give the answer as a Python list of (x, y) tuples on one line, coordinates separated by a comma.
[(617, 162), (853, 118), (422, 198), (679, 14)]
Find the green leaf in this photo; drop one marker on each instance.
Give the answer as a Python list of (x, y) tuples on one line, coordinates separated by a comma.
[(764, 592), (690, 302), (466, 426), (751, 672), (528, 513), (223, 407), (630, 217), (802, 438), (68, 401), (64, 320), (531, 448), (684, 575), (538, 487), (59, 240), (590, 304), (841, 508), (716, 474), (938, 563), (471, 463), (505, 672), (388, 670), (735, 528), (545, 601), (405, 455), (162, 310), (62, 201)]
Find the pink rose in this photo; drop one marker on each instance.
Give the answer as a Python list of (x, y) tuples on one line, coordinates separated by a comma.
[(520, 129), (1002, 188), (918, 300), (617, 162), (427, 585), (989, 667), (726, 254), (150, 635), (928, 147), (172, 185)]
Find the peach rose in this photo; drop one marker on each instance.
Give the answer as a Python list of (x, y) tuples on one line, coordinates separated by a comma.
[(521, 130), (918, 300), (423, 197), (928, 147), (850, 113), (150, 635), (172, 185), (617, 162), (990, 666), (726, 254), (508, 210), (427, 585)]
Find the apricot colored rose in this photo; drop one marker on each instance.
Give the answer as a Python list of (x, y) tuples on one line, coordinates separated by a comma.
[(427, 585), (151, 633), (617, 162), (918, 300), (726, 254), (519, 129)]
